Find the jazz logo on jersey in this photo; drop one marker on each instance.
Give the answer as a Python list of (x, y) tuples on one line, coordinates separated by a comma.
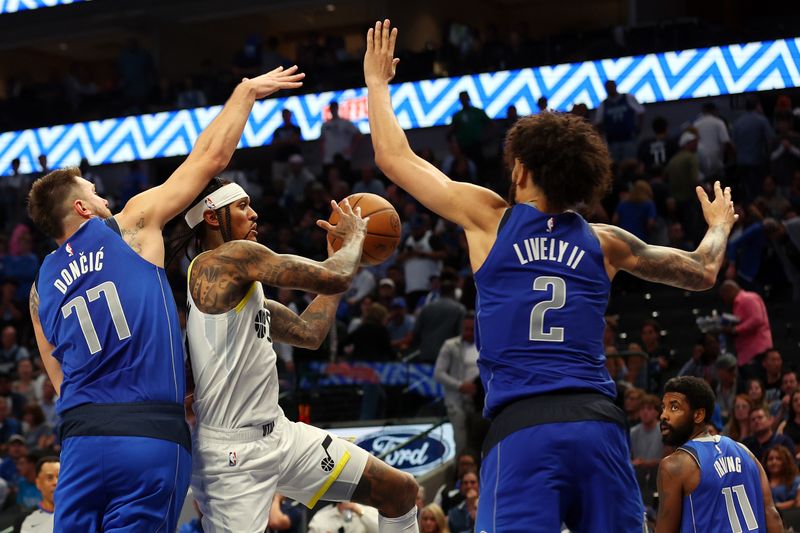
[(327, 463), (68, 247), (231, 458), (551, 222)]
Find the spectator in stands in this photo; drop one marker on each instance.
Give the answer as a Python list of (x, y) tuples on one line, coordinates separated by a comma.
[(368, 182), (752, 335), (704, 355), (48, 402), (28, 494), (752, 135), (715, 143), (450, 495), (754, 388), (683, 175), (772, 365), (370, 340), (470, 126), (296, 178), (788, 385), (620, 118), (461, 518), (637, 213), (637, 367), (40, 519), (746, 248), (456, 369), (738, 427), (400, 324), (421, 255), (439, 321), (781, 470), (791, 426), (345, 517), (15, 401), (433, 520), (726, 385), (286, 140), (632, 404), (785, 153), (647, 449), (24, 385), (771, 202), (10, 350), (655, 151), (21, 264), (9, 426), (763, 438), (421, 499), (38, 433), (338, 136), (457, 163), (387, 292), (541, 104), (363, 285), (784, 240)]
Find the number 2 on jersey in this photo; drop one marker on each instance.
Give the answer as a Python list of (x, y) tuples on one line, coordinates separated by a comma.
[(557, 301), (85, 319), (744, 503)]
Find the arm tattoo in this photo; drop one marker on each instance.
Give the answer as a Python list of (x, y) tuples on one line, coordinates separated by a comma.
[(217, 284), (130, 235), (33, 302), (687, 270), (307, 330)]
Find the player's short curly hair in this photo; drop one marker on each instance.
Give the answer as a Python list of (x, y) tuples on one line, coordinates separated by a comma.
[(49, 199), (568, 158), (697, 391)]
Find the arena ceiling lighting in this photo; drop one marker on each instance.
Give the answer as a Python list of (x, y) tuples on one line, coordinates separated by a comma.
[(720, 70), (12, 6)]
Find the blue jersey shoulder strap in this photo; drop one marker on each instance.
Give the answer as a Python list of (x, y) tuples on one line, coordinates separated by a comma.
[(113, 224)]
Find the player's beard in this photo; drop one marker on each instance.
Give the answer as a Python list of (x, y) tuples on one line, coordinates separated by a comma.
[(678, 434)]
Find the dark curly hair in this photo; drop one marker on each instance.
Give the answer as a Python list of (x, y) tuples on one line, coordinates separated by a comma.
[(568, 158), (697, 391)]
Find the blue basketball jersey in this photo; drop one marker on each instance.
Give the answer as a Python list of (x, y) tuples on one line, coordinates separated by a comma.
[(542, 294), (729, 496), (111, 316)]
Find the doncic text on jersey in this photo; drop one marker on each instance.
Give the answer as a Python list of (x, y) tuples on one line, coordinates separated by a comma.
[(84, 263)]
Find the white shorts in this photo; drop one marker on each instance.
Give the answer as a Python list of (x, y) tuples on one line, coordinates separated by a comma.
[(235, 472)]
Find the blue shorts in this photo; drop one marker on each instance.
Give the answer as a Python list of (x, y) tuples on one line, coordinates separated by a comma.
[(121, 484), (577, 473)]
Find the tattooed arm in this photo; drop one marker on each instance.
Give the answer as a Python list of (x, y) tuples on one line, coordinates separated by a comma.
[(687, 270), (307, 330), (670, 492), (51, 364)]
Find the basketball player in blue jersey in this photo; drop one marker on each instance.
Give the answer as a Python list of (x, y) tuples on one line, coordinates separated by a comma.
[(244, 448), (108, 334), (710, 484), (557, 449)]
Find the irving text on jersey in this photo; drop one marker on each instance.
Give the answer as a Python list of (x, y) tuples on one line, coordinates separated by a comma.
[(548, 249), (85, 262), (725, 465)]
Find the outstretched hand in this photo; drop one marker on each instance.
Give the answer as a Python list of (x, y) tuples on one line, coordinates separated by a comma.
[(718, 212), (379, 60), (275, 80), (350, 224)]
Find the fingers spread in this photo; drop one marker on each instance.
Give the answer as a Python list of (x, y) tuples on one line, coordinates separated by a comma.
[(325, 225), (392, 40), (370, 37)]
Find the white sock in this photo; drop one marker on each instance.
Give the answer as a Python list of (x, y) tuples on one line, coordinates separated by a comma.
[(402, 524)]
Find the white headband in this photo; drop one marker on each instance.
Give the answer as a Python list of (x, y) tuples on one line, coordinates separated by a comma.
[(223, 196)]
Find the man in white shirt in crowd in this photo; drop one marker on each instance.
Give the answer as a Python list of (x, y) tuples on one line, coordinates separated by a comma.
[(456, 369), (715, 143), (338, 136), (345, 517)]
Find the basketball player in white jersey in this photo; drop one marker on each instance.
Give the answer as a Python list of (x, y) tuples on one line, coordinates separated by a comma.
[(244, 448)]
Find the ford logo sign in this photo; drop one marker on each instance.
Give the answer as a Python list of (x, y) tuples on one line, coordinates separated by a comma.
[(416, 458)]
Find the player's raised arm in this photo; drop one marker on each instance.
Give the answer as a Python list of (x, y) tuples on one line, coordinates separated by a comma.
[(467, 205), (210, 155), (694, 271), (218, 276)]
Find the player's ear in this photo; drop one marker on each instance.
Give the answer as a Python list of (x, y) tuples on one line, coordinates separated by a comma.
[(81, 208), (210, 217), (700, 416)]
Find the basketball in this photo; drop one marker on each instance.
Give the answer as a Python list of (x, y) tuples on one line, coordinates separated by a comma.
[(383, 228)]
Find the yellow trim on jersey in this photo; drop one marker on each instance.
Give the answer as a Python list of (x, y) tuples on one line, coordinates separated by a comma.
[(247, 296), (328, 482)]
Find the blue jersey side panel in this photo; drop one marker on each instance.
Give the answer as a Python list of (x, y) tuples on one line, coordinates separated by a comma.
[(111, 316), (542, 294), (729, 492)]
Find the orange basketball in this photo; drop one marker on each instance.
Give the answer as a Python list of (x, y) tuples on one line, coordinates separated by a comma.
[(383, 228)]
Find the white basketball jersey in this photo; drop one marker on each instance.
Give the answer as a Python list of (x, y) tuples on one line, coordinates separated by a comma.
[(233, 362)]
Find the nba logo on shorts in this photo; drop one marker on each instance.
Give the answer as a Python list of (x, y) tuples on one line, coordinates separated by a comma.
[(231, 458)]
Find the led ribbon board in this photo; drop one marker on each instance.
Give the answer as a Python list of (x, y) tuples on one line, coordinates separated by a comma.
[(759, 66), (12, 6)]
